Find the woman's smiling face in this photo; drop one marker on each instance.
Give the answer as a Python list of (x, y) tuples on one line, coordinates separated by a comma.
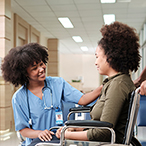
[(101, 61), (36, 72)]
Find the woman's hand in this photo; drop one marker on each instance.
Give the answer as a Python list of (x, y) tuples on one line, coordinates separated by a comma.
[(58, 132), (45, 135), (143, 88)]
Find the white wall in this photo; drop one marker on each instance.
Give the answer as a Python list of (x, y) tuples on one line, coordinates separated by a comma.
[(43, 40), (73, 66), (90, 73)]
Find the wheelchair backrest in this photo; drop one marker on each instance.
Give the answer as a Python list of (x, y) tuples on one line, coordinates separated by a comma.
[(141, 119), (65, 109), (132, 116)]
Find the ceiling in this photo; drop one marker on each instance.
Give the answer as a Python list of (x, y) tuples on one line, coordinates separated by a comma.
[(85, 15)]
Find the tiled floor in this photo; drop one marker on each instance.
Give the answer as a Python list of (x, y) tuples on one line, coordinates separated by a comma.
[(9, 139)]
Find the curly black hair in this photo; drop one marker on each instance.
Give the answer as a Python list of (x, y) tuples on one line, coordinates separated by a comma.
[(16, 62), (121, 46)]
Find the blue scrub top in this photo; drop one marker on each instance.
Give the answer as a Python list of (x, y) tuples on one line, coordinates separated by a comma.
[(42, 118)]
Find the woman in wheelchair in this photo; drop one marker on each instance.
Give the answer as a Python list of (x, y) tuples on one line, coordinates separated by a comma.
[(117, 54), (36, 101)]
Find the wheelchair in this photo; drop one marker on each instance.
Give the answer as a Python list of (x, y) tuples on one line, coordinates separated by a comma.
[(129, 139)]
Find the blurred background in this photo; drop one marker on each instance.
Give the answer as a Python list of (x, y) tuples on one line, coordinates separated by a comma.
[(70, 29)]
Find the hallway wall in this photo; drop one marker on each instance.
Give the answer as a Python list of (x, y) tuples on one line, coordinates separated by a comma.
[(74, 67)]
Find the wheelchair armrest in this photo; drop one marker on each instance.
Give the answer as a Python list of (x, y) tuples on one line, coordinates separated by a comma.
[(83, 108), (88, 123), (55, 127)]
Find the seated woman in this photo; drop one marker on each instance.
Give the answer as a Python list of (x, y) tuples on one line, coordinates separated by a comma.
[(117, 54)]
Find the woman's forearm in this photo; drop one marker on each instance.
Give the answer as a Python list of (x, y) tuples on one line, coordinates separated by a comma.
[(143, 75), (30, 133), (79, 135), (90, 97), (141, 78), (143, 88)]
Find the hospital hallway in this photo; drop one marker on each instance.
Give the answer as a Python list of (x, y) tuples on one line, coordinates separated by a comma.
[(70, 32)]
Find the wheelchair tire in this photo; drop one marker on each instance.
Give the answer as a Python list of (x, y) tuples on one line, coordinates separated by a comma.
[(135, 142)]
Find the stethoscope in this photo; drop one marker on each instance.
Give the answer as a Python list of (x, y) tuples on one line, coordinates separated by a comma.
[(44, 98), (45, 87)]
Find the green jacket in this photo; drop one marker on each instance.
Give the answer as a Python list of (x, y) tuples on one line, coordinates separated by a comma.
[(112, 106)]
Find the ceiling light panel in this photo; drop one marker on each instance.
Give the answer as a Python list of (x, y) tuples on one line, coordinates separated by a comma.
[(108, 18), (84, 48), (66, 22), (77, 39), (107, 1), (124, 1)]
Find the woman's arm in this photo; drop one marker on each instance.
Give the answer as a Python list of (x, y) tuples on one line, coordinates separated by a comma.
[(42, 135), (143, 88), (79, 135), (74, 135), (90, 97), (141, 78), (30, 133)]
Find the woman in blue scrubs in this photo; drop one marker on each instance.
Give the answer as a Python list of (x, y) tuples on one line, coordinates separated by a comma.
[(36, 101)]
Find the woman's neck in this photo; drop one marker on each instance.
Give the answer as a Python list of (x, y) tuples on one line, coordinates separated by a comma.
[(112, 72), (35, 85), (36, 88)]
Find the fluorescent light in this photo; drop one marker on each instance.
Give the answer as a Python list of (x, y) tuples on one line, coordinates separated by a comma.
[(124, 1), (66, 22), (109, 18), (4, 131), (77, 39), (5, 138), (84, 48), (107, 1)]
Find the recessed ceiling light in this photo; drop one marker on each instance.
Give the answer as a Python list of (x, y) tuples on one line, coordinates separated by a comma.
[(124, 1), (66, 22), (84, 48), (109, 18), (77, 39), (107, 1)]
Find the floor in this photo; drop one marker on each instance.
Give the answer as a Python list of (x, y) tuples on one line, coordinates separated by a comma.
[(9, 139)]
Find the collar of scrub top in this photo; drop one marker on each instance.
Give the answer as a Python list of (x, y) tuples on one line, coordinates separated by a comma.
[(45, 87)]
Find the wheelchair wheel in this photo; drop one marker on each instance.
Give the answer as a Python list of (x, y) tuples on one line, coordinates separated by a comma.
[(135, 142)]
